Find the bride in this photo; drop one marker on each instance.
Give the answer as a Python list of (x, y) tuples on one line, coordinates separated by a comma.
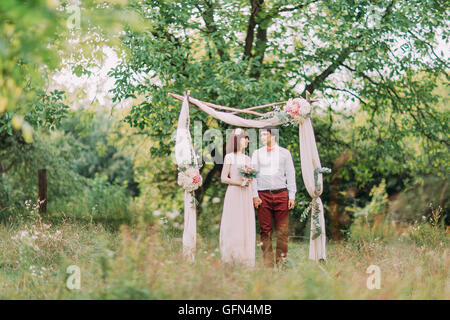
[(237, 228)]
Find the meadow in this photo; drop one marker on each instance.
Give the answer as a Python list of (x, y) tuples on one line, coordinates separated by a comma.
[(145, 261)]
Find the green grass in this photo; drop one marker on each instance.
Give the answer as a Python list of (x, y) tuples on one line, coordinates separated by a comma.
[(143, 262)]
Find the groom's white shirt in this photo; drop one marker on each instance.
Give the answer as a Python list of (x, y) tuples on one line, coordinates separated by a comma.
[(276, 170)]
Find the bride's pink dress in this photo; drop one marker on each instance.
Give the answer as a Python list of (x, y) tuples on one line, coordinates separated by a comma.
[(237, 228)]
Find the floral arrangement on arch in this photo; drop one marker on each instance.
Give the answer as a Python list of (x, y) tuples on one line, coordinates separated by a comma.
[(295, 111), (189, 177)]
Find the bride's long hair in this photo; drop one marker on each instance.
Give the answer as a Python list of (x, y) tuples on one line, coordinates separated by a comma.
[(234, 140)]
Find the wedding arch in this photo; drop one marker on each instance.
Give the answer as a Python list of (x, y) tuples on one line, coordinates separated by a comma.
[(296, 111)]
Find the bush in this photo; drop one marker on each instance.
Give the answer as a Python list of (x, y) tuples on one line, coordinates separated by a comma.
[(412, 203), (99, 202), (429, 232), (19, 184), (372, 223)]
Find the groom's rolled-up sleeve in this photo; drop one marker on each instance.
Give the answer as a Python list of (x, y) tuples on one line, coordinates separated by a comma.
[(290, 176), (254, 182)]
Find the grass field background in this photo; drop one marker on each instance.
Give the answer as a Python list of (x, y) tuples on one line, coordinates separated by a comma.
[(145, 262)]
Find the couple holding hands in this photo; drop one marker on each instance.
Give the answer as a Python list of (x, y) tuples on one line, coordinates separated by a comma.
[(266, 181)]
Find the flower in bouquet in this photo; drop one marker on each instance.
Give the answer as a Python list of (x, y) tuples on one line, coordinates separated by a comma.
[(248, 172), (190, 178)]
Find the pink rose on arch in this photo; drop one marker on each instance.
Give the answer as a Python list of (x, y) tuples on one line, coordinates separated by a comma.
[(190, 178), (302, 106), (196, 179), (297, 109)]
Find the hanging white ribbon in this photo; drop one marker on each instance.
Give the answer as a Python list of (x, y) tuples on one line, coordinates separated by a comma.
[(309, 159), (184, 153)]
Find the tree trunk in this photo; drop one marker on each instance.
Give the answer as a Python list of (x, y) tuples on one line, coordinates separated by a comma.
[(200, 192), (335, 215)]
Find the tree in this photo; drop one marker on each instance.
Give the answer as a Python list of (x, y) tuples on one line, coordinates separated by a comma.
[(33, 43), (244, 53), (27, 31), (90, 132)]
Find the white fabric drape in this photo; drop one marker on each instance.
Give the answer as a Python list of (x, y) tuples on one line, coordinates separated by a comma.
[(309, 158), (235, 120), (309, 162), (190, 227), (184, 153)]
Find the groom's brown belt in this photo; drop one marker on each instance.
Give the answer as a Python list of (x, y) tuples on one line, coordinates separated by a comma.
[(273, 191)]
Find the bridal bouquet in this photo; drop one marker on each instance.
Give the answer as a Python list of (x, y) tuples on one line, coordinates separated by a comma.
[(189, 178), (248, 173), (295, 110)]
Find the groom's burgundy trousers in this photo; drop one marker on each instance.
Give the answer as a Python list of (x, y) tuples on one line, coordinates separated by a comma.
[(274, 206)]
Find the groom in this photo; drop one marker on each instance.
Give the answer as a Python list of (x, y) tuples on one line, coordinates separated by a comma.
[(273, 193)]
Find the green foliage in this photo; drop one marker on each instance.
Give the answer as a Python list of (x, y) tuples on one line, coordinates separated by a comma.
[(48, 111), (27, 30), (99, 202), (46, 152), (91, 136), (414, 200), (402, 112), (225, 73), (34, 40), (88, 177), (429, 232), (378, 204), (371, 224)]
